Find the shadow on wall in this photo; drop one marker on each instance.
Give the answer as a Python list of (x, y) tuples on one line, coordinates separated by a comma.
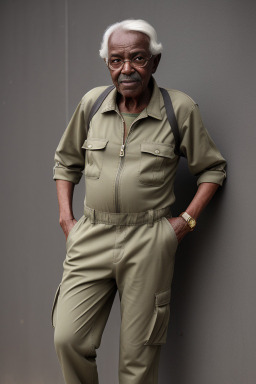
[(190, 263)]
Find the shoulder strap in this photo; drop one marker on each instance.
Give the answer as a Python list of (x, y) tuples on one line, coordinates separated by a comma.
[(172, 120), (98, 102), (169, 111)]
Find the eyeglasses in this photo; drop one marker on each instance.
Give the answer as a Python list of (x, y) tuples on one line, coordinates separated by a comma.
[(136, 62)]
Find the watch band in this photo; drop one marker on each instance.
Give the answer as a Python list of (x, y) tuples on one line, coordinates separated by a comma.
[(189, 220)]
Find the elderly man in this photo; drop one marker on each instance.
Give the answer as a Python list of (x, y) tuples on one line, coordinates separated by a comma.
[(128, 146)]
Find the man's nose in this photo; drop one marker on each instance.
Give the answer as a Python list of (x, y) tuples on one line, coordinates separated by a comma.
[(127, 67)]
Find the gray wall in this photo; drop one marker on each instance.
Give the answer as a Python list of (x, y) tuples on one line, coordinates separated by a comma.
[(49, 59)]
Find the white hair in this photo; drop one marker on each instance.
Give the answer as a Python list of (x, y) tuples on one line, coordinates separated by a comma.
[(132, 25)]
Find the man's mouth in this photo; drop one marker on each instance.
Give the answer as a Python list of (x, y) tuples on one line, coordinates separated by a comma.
[(129, 81)]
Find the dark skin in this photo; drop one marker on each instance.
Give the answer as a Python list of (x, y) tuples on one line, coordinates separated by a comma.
[(133, 97)]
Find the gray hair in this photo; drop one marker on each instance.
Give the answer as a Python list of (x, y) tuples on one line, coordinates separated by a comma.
[(132, 25)]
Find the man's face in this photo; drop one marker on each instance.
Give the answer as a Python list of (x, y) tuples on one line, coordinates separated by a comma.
[(125, 45)]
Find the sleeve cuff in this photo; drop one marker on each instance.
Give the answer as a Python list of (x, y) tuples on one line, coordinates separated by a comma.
[(216, 177), (67, 174)]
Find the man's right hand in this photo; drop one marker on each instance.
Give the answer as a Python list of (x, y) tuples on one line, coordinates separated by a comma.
[(67, 225), (65, 191)]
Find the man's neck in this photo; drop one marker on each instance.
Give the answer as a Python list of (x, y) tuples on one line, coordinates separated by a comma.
[(133, 104)]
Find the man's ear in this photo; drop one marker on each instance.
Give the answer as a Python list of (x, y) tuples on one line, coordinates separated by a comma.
[(156, 61)]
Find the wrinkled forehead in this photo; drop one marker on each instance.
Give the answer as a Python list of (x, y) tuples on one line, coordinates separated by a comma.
[(128, 40)]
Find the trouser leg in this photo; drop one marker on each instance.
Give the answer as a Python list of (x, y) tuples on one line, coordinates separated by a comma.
[(141, 263), (85, 298), (144, 274)]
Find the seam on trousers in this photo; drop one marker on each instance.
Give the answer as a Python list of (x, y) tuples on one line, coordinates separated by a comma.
[(91, 337), (93, 348), (120, 239)]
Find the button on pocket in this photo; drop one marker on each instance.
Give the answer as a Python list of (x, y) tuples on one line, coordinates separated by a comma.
[(155, 158), (95, 149), (159, 323)]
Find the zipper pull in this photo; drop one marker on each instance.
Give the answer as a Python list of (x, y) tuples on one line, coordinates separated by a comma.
[(122, 151)]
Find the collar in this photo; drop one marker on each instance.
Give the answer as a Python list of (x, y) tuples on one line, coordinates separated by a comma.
[(153, 109)]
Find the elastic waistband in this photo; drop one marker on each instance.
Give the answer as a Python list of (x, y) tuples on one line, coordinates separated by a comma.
[(148, 217)]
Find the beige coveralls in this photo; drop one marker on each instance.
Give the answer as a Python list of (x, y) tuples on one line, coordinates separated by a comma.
[(124, 241)]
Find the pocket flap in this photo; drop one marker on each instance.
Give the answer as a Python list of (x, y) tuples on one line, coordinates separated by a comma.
[(163, 298), (158, 149), (94, 144)]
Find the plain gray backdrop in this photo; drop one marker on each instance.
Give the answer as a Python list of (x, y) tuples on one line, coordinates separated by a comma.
[(49, 59)]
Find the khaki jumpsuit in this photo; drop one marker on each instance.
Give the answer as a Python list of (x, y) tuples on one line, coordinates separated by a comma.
[(124, 241)]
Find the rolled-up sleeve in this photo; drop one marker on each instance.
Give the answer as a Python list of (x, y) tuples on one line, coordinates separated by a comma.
[(204, 159), (69, 156)]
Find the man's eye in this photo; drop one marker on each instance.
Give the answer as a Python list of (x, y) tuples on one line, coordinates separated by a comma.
[(114, 61), (138, 58)]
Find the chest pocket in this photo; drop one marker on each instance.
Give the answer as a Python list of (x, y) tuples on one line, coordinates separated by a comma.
[(95, 150), (155, 158)]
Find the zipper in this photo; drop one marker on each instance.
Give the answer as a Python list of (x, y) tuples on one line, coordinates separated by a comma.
[(122, 150), (120, 168)]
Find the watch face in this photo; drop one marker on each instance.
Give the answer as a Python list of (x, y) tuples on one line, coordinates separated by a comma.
[(192, 223)]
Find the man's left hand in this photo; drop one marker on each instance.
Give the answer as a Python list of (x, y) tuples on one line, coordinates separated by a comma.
[(180, 227)]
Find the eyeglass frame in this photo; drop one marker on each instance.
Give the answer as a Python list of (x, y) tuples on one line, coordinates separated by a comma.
[(123, 62)]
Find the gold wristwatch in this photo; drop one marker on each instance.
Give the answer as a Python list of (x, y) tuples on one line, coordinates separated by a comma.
[(191, 222)]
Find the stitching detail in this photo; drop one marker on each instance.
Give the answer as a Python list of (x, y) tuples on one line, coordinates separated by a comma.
[(189, 113)]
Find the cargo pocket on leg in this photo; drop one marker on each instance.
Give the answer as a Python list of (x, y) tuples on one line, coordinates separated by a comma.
[(159, 324), (54, 306)]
